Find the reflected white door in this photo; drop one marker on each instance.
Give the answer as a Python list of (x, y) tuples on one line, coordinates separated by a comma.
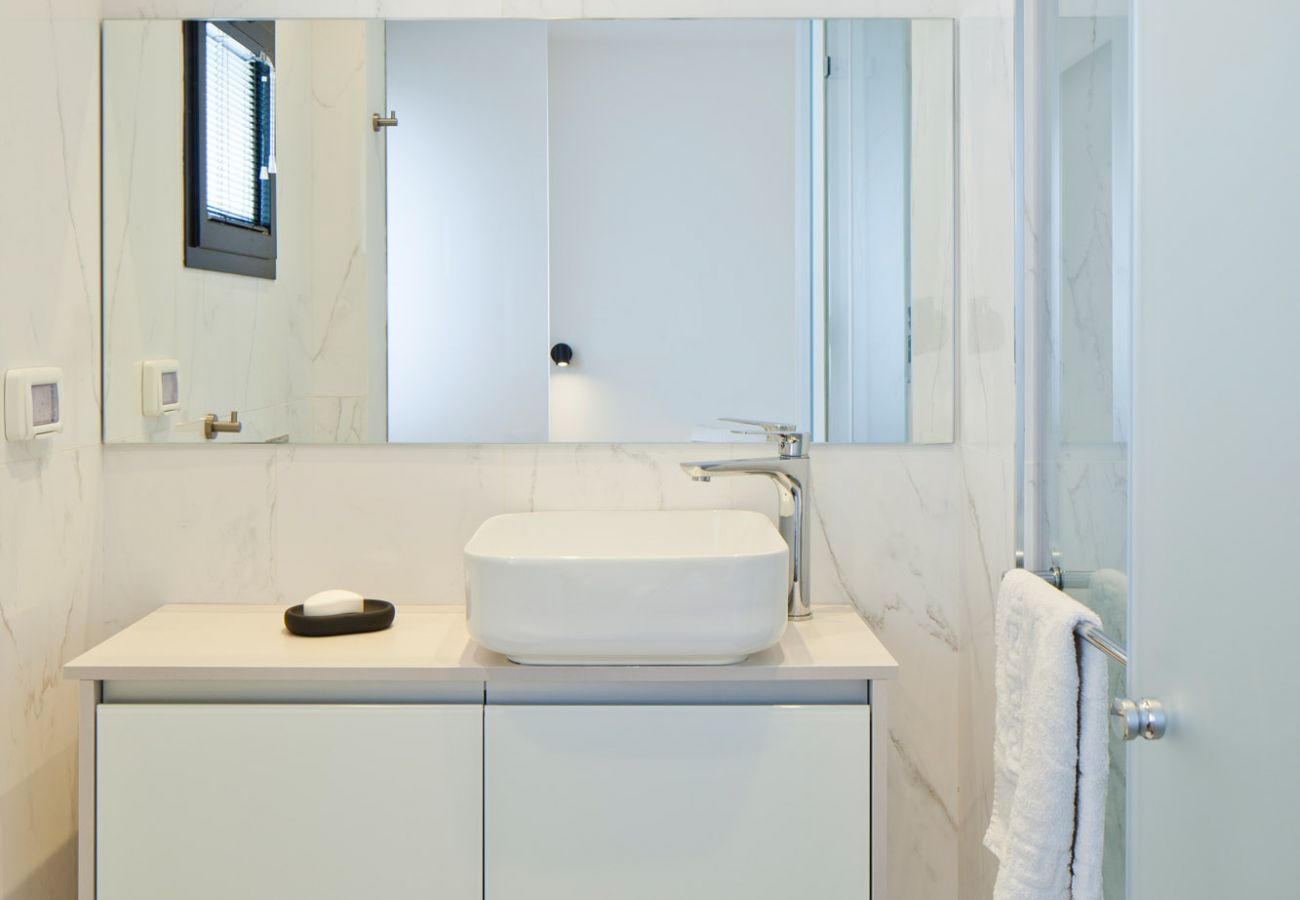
[(467, 232), (1215, 805)]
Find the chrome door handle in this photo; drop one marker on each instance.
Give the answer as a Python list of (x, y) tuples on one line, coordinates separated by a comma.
[(1145, 717)]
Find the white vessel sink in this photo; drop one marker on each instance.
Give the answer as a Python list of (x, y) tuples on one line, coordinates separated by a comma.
[(627, 588)]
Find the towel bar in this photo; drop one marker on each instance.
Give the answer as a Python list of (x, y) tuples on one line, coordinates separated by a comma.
[(1061, 579), (1095, 636), (1146, 717)]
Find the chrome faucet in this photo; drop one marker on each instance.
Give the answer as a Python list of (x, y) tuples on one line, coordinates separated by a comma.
[(790, 471)]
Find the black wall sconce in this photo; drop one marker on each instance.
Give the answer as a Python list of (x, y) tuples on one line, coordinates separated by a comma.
[(562, 355)]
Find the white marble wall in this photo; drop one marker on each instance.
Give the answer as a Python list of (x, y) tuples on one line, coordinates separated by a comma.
[(294, 354), (347, 345), (986, 484), (49, 493)]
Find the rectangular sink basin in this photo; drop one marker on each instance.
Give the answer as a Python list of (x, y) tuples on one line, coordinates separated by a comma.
[(689, 587)]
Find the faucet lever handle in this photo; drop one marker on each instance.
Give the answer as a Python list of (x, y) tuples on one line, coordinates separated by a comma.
[(790, 441), (766, 427)]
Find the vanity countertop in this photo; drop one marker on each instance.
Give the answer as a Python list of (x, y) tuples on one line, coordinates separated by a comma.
[(202, 642)]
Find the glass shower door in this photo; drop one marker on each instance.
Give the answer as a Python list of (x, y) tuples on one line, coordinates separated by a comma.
[(1076, 307)]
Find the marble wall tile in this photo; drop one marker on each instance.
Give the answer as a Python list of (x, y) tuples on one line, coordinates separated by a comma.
[(49, 490), (269, 349), (272, 524), (886, 542), (49, 557), (985, 485), (986, 492), (49, 231)]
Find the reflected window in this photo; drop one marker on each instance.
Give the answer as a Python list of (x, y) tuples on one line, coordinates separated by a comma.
[(230, 152)]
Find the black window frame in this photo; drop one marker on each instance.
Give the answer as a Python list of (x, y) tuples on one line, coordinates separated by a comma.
[(209, 243)]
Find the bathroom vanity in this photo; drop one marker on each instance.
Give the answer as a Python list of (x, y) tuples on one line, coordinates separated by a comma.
[(222, 757)]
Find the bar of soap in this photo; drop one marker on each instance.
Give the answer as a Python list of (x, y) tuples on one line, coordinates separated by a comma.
[(333, 602)]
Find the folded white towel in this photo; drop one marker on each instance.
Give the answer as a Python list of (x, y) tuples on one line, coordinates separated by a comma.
[(1049, 751)]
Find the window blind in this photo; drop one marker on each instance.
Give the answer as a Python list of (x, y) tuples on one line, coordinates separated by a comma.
[(237, 151)]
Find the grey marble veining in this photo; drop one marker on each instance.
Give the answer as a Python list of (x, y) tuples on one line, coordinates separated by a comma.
[(49, 490), (293, 355)]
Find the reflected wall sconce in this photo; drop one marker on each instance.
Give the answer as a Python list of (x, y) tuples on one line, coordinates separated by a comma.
[(562, 355)]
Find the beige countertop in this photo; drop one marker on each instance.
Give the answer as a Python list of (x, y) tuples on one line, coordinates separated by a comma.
[(203, 642)]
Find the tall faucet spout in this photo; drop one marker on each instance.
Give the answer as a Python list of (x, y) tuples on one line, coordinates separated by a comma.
[(790, 474)]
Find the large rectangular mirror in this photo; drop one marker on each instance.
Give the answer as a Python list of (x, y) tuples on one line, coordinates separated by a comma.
[(587, 231)]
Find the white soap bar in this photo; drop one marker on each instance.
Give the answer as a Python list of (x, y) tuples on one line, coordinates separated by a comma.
[(333, 602)]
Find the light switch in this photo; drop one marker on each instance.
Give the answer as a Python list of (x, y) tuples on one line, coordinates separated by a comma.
[(32, 403), (160, 387)]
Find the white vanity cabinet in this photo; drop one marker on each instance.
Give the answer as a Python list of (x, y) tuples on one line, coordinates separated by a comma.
[(275, 802), (221, 757), (688, 802)]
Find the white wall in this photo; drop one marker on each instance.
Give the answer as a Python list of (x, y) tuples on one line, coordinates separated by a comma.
[(467, 251), (292, 354), (672, 214), (932, 227), (348, 397), (50, 544), (610, 133), (890, 233), (868, 146)]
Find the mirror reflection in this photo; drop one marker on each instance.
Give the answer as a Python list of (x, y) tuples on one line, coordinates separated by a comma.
[(462, 231)]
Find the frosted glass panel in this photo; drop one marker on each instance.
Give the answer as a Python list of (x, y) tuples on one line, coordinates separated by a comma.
[(1092, 289), (1077, 318)]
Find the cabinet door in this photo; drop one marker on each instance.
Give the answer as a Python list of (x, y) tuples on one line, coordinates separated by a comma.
[(213, 802), (685, 802)]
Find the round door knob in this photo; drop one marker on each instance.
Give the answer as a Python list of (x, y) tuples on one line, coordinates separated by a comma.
[(1124, 722), (1142, 718)]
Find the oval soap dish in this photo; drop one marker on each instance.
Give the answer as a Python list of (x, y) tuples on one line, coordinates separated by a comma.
[(377, 616)]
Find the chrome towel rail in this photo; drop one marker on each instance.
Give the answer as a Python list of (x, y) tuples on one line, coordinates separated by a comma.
[(1095, 636), (1061, 580), (1130, 719)]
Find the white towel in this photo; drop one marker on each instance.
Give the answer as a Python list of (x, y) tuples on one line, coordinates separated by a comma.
[(1049, 751)]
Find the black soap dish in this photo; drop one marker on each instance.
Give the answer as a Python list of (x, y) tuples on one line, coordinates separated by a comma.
[(377, 615)]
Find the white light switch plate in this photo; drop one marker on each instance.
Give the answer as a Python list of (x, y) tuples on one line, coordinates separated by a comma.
[(160, 390), (32, 407)]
